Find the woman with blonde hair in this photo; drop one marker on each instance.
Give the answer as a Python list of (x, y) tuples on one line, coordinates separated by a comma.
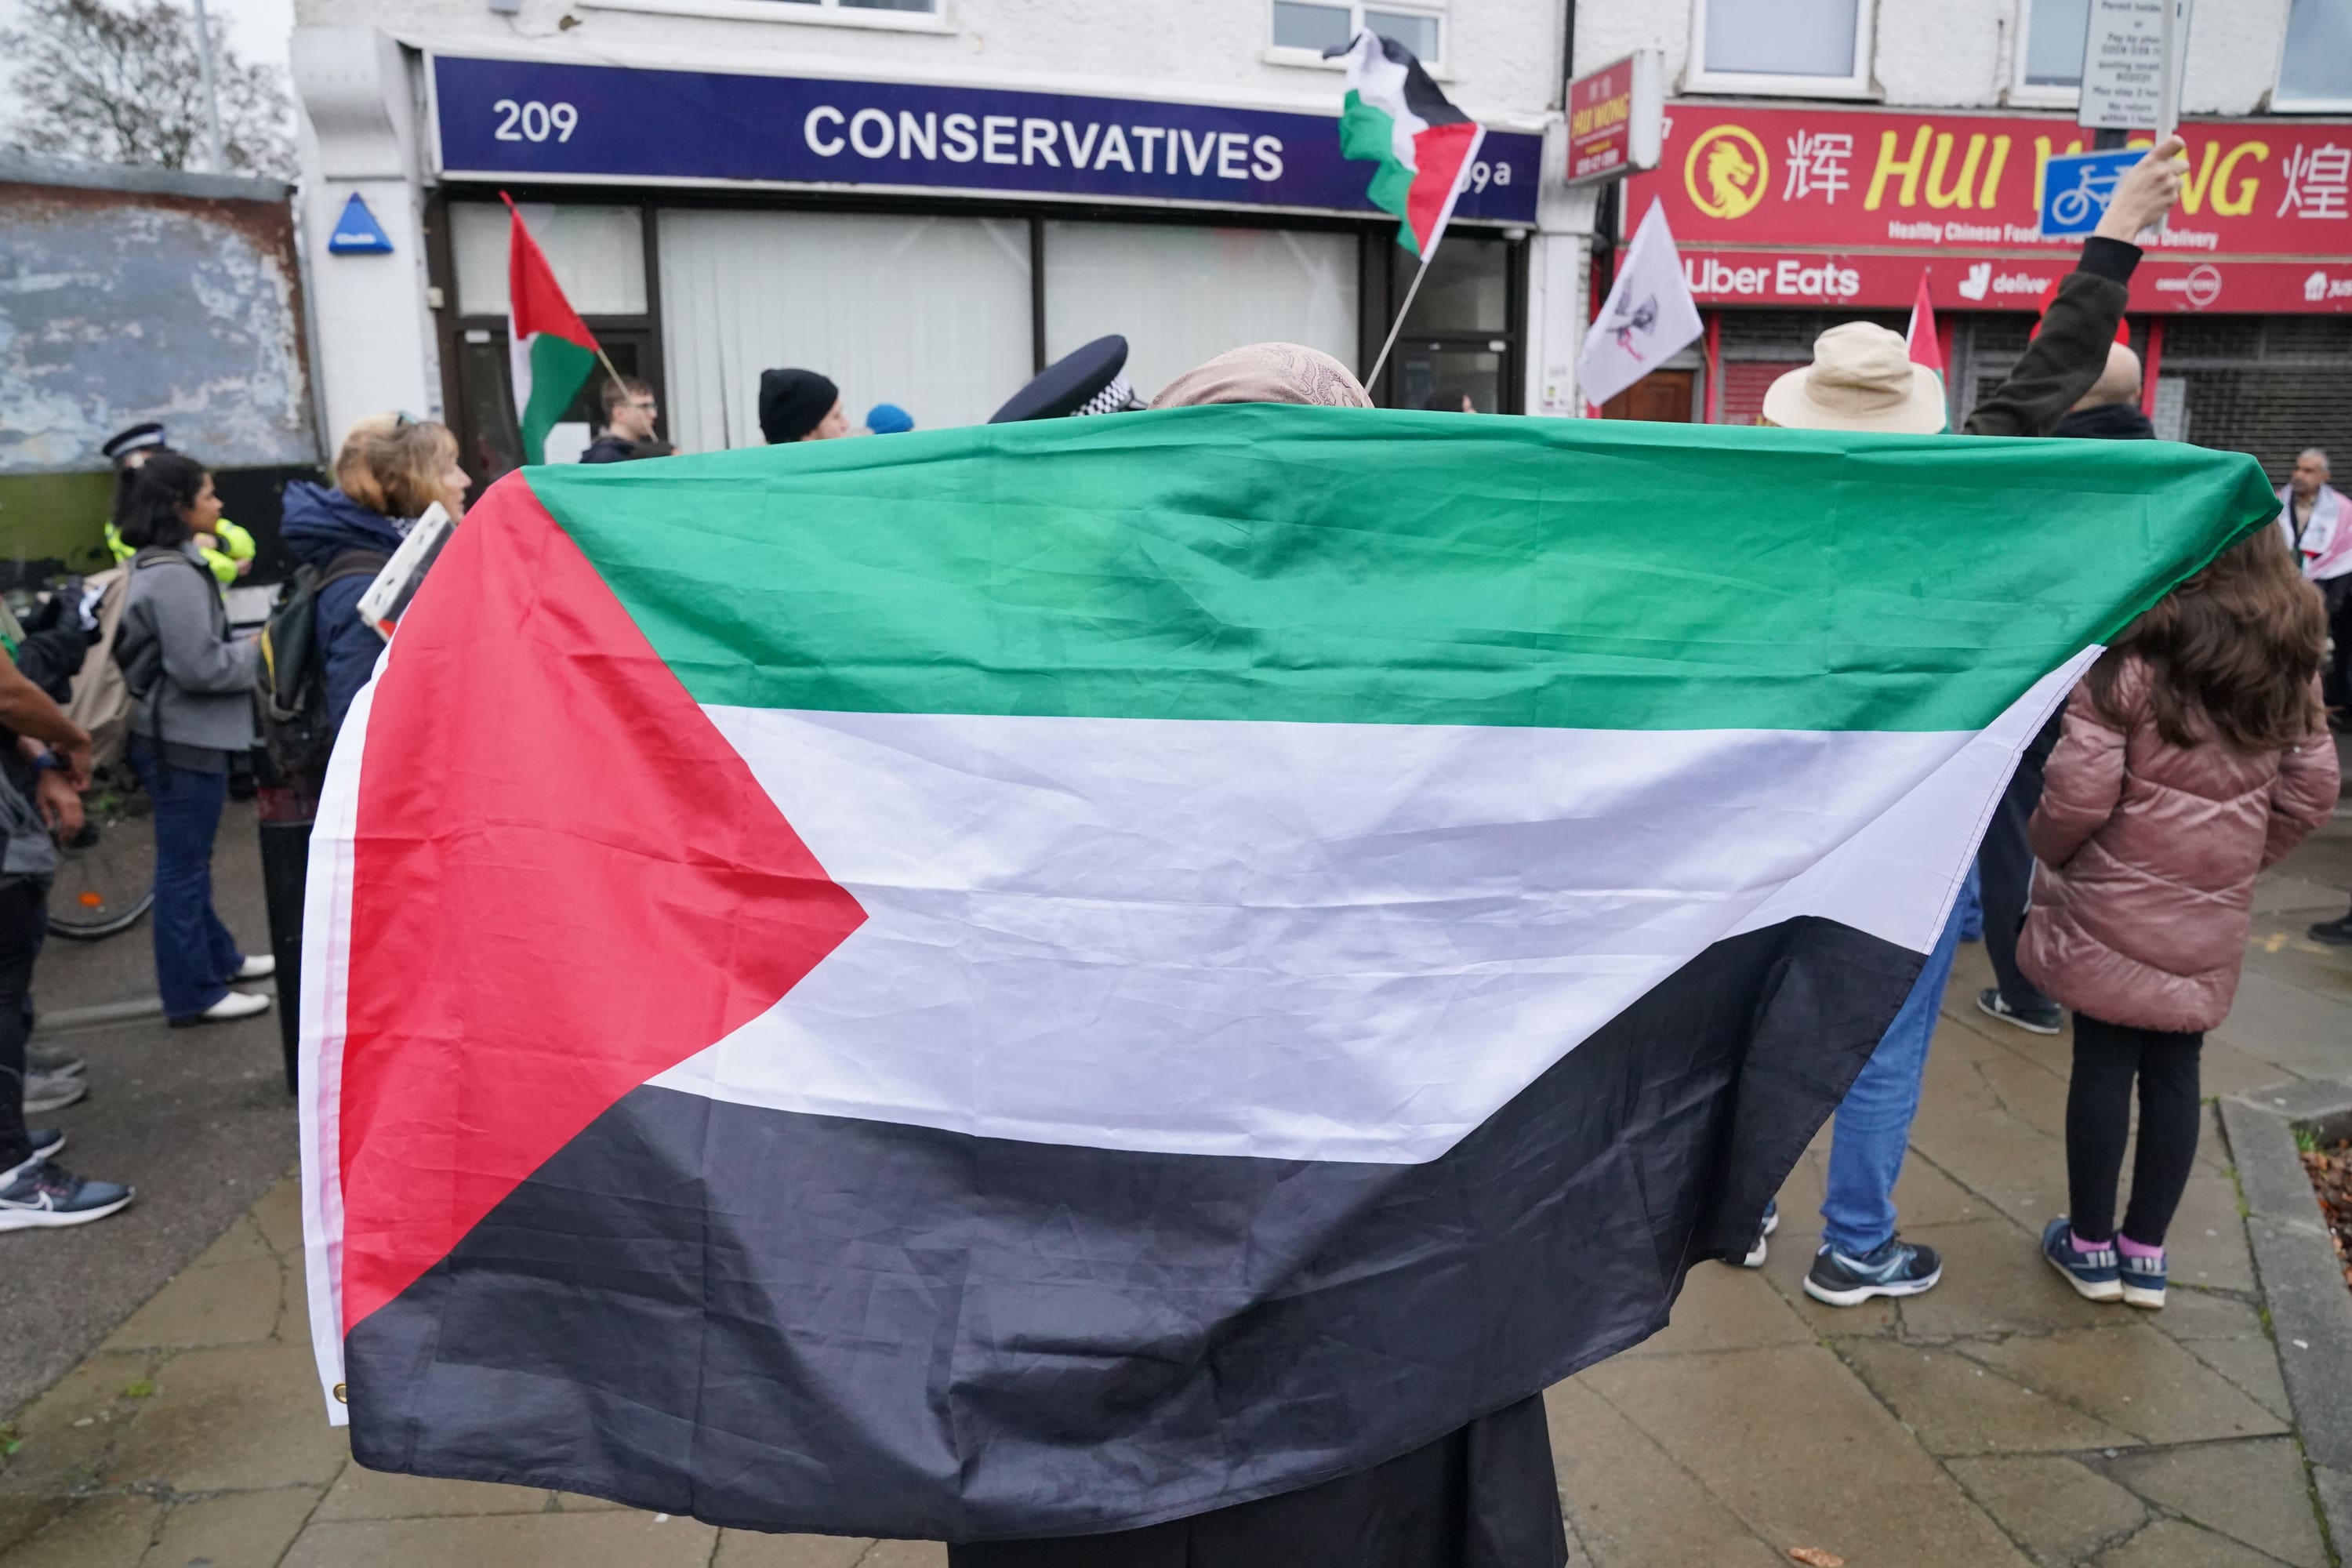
[(389, 471)]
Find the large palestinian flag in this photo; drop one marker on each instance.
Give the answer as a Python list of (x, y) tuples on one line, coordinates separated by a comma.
[(1394, 115), (1045, 977)]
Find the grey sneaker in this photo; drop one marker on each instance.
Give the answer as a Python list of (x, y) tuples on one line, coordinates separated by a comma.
[(53, 1061), (2046, 1019), (46, 1091), (41, 1194)]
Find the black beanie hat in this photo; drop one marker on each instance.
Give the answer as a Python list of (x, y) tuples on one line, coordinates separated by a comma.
[(792, 402)]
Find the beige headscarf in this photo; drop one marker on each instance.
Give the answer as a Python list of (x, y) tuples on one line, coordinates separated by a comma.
[(1266, 373)]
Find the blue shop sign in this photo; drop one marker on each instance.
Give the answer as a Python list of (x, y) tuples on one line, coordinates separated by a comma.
[(522, 120)]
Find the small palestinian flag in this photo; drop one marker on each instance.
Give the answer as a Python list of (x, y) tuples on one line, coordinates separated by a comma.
[(1036, 979), (550, 351), (1396, 116)]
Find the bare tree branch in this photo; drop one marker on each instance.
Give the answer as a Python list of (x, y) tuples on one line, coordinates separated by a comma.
[(110, 85)]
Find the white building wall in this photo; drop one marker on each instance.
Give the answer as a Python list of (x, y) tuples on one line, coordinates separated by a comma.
[(1961, 54), (1503, 57)]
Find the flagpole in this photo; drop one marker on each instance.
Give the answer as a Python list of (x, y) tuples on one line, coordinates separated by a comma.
[(1398, 325)]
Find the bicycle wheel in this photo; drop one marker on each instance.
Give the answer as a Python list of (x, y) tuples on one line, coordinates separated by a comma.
[(106, 879), (2071, 208)]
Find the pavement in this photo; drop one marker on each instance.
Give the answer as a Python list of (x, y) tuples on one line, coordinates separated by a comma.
[(171, 1417)]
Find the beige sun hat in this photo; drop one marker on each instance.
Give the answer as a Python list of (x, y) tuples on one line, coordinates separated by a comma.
[(1862, 378)]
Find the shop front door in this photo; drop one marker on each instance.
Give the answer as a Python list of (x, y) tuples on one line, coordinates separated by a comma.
[(1663, 396)]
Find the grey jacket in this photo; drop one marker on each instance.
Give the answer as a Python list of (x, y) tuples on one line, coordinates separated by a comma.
[(205, 695)]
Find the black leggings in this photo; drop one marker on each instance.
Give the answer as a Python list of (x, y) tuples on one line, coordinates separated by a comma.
[(2098, 1119), (21, 900)]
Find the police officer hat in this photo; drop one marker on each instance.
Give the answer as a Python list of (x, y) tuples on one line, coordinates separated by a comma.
[(138, 439), (1089, 379)]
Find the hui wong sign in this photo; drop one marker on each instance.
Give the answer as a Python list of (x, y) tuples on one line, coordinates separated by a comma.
[(527, 119)]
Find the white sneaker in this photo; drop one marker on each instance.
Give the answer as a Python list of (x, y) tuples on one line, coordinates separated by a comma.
[(261, 966), (235, 1006)]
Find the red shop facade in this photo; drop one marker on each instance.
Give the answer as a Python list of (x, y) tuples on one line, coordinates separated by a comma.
[(1789, 219)]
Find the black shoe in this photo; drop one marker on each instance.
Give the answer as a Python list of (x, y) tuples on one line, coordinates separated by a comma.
[(2042, 1020), (2335, 933), (1897, 1269)]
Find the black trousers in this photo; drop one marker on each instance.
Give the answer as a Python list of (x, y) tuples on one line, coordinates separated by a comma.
[(23, 902), (1483, 1497), (2107, 1059), (2005, 870)]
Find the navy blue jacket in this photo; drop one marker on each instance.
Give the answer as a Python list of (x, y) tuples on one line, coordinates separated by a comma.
[(319, 524)]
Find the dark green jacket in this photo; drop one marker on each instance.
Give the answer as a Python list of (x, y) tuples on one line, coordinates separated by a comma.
[(2068, 355)]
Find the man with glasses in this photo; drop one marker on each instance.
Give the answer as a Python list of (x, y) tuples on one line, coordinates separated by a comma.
[(630, 414)]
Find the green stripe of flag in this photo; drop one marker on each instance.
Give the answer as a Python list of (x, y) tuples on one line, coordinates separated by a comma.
[(1366, 132), (559, 367), (1334, 565)]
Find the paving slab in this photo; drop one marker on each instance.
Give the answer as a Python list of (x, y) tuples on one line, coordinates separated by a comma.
[(1803, 1454), (1982, 1291), (2130, 1376), (361, 1493), (235, 1528), (509, 1540), (2171, 1543), (1629, 1503), (2256, 1493), (1958, 1407), (65, 1437), (237, 1420), (2286, 1026), (104, 1532), (749, 1549), (2060, 1509), (1723, 1308), (225, 1304)]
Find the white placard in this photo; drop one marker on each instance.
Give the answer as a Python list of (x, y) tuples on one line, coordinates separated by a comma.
[(2126, 86)]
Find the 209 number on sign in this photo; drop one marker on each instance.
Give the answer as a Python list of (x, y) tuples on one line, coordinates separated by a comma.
[(534, 120)]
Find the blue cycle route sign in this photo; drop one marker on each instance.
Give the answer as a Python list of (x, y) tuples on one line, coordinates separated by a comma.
[(2076, 188)]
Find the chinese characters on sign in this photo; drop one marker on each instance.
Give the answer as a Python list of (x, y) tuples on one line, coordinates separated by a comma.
[(1847, 207), (1614, 117)]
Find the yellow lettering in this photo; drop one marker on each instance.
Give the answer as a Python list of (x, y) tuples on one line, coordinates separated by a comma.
[(2238, 204), (2193, 182), (1907, 167), (2042, 163), (1986, 197), (1963, 190)]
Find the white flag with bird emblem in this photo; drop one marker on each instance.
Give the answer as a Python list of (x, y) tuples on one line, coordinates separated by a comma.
[(1650, 316)]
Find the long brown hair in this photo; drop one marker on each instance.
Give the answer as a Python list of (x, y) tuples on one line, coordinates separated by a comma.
[(393, 465), (2237, 643)]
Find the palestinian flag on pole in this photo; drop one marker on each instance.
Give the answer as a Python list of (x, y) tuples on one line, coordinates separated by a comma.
[(1395, 115), (551, 352), (1039, 978)]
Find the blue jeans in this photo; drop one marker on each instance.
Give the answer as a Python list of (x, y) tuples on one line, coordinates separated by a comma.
[(195, 955), (1874, 1123)]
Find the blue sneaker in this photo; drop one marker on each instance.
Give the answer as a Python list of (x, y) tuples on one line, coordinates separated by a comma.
[(2093, 1274), (40, 1194), (1762, 1250), (2142, 1280), (1898, 1267)]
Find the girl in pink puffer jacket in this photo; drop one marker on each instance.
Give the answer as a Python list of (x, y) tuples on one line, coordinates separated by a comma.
[(2194, 754)]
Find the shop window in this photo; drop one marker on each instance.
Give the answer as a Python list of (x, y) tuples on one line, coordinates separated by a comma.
[(1180, 294), (1817, 48), (2268, 385), (2049, 52), (1304, 29), (2316, 66), (1466, 289), (598, 254), (931, 313)]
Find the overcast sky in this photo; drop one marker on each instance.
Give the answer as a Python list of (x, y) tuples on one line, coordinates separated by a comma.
[(258, 30)]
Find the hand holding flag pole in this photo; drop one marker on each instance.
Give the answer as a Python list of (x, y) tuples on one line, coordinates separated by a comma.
[(1396, 116)]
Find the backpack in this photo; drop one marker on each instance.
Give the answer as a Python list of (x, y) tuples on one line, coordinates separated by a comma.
[(293, 675)]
